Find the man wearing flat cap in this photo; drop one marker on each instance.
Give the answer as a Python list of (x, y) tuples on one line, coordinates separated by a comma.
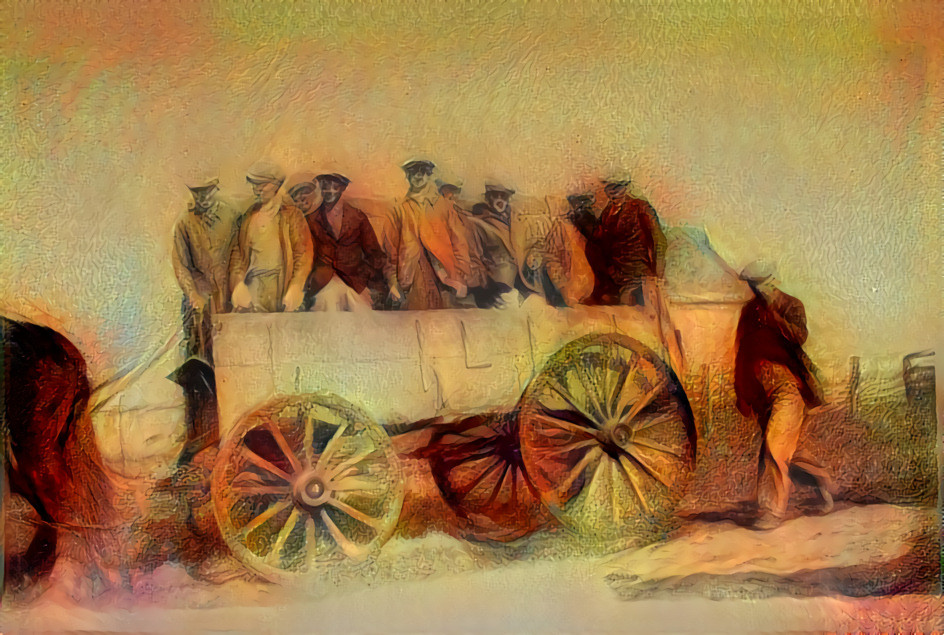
[(433, 240), (272, 255), (349, 263), (203, 239), (302, 188), (626, 246), (490, 236), (775, 383), (417, 283)]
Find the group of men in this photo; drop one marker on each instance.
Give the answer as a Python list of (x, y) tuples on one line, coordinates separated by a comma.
[(302, 246)]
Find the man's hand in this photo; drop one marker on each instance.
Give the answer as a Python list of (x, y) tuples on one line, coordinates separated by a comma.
[(293, 299), (198, 303), (242, 299), (395, 296)]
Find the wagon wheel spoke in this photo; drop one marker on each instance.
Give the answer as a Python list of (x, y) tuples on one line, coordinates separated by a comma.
[(261, 490), (309, 441), (579, 468), (577, 445), (264, 517), (590, 390), (595, 479), (339, 471), (263, 464), (646, 399), (566, 425), (466, 489), (355, 484), (625, 390), (658, 447), (356, 514), (498, 484), (647, 468), (283, 445), (628, 475), (311, 541), (332, 446), (555, 385), (614, 483), (280, 540), (653, 422), (350, 549)]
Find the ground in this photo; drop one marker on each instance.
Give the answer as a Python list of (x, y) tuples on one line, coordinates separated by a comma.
[(437, 583)]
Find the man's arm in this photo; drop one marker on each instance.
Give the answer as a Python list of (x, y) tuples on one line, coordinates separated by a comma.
[(182, 259)]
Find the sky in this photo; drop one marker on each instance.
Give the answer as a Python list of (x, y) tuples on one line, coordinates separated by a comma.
[(805, 133)]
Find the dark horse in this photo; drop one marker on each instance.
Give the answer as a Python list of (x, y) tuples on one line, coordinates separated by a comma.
[(51, 460)]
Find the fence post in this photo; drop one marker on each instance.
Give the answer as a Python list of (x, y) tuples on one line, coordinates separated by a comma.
[(852, 397)]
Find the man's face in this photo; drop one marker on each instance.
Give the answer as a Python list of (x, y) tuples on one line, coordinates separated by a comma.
[(331, 191), (264, 191), (449, 191), (418, 178), (498, 201), (305, 198), (615, 191), (203, 197)]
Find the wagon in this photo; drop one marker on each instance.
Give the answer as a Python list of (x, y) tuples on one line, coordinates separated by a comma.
[(572, 414)]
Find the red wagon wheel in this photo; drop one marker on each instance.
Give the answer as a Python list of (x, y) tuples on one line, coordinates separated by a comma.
[(477, 466), (303, 480), (608, 438)]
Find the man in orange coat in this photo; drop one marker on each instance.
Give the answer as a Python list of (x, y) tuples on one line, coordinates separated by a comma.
[(775, 383), (273, 253)]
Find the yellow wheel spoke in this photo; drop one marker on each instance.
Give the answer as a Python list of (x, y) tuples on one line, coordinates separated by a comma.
[(645, 400), (336, 472), (647, 468), (260, 490), (328, 453), (309, 451), (261, 463), (583, 375), (280, 540), (264, 517), (628, 470), (283, 445), (374, 523), (560, 390), (658, 447), (578, 469), (349, 548), (624, 391), (311, 541), (354, 484), (655, 421), (566, 425)]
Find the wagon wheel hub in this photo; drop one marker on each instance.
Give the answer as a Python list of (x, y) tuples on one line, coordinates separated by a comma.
[(621, 435), (310, 490)]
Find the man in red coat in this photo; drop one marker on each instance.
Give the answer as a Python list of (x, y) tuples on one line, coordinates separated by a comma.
[(775, 383), (349, 262), (624, 247)]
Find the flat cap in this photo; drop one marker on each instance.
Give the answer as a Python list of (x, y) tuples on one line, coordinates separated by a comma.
[(417, 164), (265, 171), (300, 181), (618, 178), (202, 183), (334, 176), (758, 271), (448, 180), (492, 185)]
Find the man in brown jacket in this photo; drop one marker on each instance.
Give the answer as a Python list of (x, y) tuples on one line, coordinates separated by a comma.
[(348, 256), (272, 255), (775, 383)]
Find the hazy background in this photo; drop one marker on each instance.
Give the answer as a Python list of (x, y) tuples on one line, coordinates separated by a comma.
[(806, 133)]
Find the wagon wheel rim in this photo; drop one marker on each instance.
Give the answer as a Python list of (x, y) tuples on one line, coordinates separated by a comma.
[(481, 476), (607, 437), (306, 480)]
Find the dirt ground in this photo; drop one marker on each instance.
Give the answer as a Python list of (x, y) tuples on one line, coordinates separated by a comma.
[(709, 576)]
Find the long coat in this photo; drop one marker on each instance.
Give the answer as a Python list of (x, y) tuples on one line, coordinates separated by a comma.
[(295, 240), (354, 254), (201, 253), (626, 245), (772, 331)]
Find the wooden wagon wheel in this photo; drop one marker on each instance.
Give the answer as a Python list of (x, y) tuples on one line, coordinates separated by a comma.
[(608, 439), (477, 466), (304, 480)]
